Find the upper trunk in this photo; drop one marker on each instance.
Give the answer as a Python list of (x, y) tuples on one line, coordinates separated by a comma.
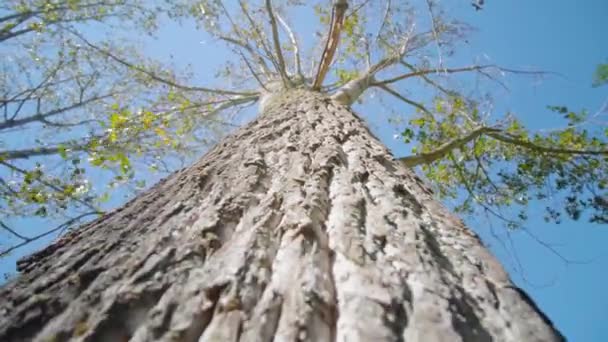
[(300, 226)]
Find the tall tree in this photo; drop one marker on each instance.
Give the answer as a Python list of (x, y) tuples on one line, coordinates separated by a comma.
[(301, 225)]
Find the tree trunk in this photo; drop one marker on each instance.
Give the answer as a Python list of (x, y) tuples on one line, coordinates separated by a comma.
[(300, 226)]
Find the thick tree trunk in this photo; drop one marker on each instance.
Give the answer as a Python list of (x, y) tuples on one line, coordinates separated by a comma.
[(300, 226)]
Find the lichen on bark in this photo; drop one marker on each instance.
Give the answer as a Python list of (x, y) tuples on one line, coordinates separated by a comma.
[(299, 226)]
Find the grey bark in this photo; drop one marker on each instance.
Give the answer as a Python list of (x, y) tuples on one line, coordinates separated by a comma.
[(300, 226)]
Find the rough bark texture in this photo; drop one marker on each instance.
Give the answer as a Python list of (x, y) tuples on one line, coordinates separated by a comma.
[(298, 227)]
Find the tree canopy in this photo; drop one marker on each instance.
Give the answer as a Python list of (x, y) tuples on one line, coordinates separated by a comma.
[(87, 116)]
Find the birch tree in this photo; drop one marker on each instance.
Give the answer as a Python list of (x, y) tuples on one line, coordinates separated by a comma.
[(301, 225)]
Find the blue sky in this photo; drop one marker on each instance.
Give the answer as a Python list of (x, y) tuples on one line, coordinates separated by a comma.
[(568, 37)]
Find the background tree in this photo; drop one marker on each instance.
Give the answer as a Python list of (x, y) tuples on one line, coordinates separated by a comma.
[(455, 136)]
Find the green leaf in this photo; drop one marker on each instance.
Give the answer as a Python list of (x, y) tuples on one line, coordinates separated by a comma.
[(600, 77)]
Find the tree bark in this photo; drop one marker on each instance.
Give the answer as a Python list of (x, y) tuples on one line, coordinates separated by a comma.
[(300, 226)]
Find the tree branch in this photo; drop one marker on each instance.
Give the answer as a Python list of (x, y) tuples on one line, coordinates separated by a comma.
[(454, 70), (50, 185), (443, 150), (42, 117), (10, 230), (153, 75), (39, 151), (48, 232), (428, 80), (294, 44), (404, 99), (259, 33), (348, 93), (496, 133), (277, 43), (242, 42), (331, 44), (501, 136)]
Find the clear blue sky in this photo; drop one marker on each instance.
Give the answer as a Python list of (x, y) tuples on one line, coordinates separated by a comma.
[(568, 37)]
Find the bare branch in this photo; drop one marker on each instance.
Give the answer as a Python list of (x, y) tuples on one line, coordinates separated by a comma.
[(294, 44), (433, 71), (404, 99), (153, 75), (429, 5), (277, 43), (452, 71), (242, 42), (428, 80), (259, 59), (387, 11), (13, 232), (255, 74), (64, 225), (259, 33), (42, 117), (350, 92), (40, 151)]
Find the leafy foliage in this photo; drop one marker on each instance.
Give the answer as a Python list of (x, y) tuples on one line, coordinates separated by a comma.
[(600, 76), (85, 118), (504, 166)]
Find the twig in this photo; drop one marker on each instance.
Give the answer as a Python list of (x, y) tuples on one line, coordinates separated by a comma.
[(294, 44), (48, 232), (153, 75), (7, 228), (404, 99), (277, 43)]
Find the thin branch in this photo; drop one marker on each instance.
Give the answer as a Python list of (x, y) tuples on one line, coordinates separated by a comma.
[(153, 75), (242, 42), (294, 44), (429, 5), (452, 71), (44, 116), (428, 80), (404, 99), (50, 185), (13, 34), (387, 11), (277, 43), (487, 175), (432, 71), (259, 33), (48, 232), (531, 146), (357, 9), (39, 151), (10, 230)]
